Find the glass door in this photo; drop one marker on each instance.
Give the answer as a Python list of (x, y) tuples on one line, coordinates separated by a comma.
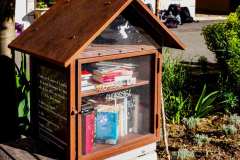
[(117, 102)]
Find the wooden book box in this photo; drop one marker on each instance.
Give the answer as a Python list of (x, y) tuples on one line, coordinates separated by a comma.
[(96, 76)]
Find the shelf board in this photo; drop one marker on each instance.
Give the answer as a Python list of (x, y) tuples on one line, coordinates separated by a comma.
[(123, 141), (95, 92)]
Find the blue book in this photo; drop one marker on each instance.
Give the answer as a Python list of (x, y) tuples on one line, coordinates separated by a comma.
[(107, 127)]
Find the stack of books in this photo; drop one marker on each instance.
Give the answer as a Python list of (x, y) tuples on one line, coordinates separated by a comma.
[(86, 83), (108, 120), (114, 73)]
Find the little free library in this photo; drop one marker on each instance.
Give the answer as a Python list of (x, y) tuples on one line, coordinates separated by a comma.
[(96, 76)]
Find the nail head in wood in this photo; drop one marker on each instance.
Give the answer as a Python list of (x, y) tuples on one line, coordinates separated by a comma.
[(36, 29), (73, 37), (74, 112), (107, 3)]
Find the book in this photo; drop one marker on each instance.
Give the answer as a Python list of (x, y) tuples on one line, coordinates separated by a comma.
[(116, 64), (86, 74), (86, 83), (136, 114), (88, 87), (125, 116), (103, 79), (113, 72), (107, 127), (130, 114), (121, 121), (88, 131)]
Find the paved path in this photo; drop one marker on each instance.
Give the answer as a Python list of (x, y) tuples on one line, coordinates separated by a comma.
[(190, 34)]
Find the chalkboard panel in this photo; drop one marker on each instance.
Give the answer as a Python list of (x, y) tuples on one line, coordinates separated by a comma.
[(50, 87)]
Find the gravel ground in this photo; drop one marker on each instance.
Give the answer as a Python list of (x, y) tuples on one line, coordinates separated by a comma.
[(190, 35)]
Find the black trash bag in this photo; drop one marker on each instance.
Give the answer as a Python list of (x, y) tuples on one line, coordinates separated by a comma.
[(171, 22), (185, 15), (174, 9)]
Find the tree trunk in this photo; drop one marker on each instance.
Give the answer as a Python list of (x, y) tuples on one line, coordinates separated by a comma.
[(7, 25), (8, 107)]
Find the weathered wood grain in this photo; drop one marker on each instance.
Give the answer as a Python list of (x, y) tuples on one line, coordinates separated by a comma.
[(26, 149), (67, 29)]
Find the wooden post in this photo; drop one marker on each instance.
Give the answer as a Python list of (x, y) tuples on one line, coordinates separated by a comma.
[(72, 110)]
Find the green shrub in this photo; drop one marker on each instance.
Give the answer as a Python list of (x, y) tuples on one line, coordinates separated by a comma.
[(177, 108), (174, 75), (234, 67), (185, 154), (201, 139), (230, 101), (191, 123), (215, 36), (224, 39), (176, 101), (229, 129)]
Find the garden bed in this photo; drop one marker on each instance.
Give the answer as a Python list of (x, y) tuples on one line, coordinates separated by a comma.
[(219, 146)]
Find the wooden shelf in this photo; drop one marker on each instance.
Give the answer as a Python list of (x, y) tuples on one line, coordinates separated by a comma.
[(123, 141), (95, 92)]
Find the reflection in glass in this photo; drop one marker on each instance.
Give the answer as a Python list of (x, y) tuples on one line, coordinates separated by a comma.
[(122, 32), (117, 101)]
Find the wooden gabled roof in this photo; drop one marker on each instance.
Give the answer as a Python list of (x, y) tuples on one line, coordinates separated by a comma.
[(71, 25)]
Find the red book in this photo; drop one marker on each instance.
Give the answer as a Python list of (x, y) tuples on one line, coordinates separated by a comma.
[(86, 74), (88, 132), (103, 80)]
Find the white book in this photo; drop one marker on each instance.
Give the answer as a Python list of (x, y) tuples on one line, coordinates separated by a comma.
[(87, 88), (86, 83), (121, 121), (125, 116), (136, 103)]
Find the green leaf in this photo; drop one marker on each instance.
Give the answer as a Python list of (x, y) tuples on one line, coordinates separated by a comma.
[(201, 98), (209, 99), (204, 105)]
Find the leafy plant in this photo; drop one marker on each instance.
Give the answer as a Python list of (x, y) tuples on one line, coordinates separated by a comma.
[(201, 139), (191, 123), (234, 120), (230, 101), (233, 66), (215, 37), (23, 89), (174, 75), (185, 154), (205, 103), (229, 129), (176, 101), (224, 39), (177, 109), (41, 4)]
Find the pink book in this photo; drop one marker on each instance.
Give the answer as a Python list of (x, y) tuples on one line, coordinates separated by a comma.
[(88, 132)]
